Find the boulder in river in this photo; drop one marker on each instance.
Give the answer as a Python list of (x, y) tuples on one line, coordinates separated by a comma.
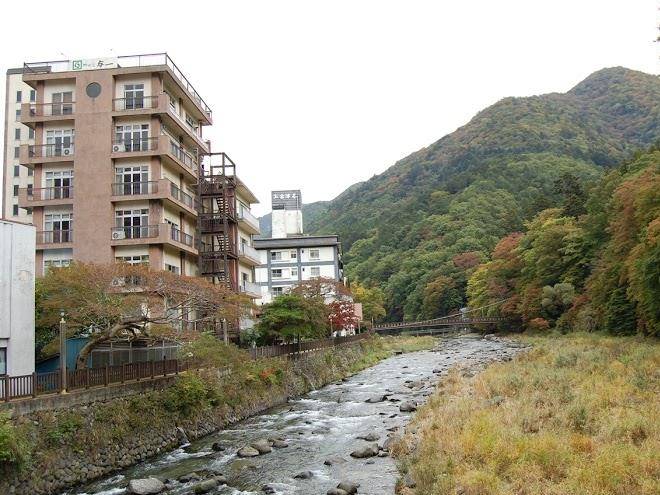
[(408, 407), (205, 486), (364, 452), (146, 486), (334, 460), (262, 446), (217, 447), (279, 444), (376, 398), (349, 487), (369, 437), (336, 491), (247, 452), (304, 475)]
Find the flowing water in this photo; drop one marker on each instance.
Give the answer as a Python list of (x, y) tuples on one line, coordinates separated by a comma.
[(322, 425)]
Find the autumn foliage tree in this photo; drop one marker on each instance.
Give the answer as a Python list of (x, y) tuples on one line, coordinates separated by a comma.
[(342, 315), (106, 301)]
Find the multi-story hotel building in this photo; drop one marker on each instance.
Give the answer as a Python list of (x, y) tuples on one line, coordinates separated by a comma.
[(122, 171), (289, 257)]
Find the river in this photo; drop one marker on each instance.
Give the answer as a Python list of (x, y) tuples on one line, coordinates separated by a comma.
[(321, 426)]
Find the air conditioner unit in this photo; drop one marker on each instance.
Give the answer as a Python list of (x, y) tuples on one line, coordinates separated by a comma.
[(119, 234), (116, 148)]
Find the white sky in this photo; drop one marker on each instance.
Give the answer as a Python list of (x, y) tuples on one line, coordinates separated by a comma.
[(318, 95)]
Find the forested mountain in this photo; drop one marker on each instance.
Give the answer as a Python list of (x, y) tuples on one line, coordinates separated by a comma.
[(420, 229)]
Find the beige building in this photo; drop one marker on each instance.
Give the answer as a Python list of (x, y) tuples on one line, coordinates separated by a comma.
[(109, 162)]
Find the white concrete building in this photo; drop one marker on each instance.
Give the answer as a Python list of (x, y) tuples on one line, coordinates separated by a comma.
[(290, 257), (16, 176), (17, 274)]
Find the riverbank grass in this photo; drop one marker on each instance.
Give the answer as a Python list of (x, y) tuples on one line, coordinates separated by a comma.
[(383, 347), (577, 414)]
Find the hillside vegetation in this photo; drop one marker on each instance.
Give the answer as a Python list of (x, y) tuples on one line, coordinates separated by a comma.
[(419, 230), (576, 415)]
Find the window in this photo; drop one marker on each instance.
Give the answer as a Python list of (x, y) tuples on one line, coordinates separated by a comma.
[(171, 100), (58, 227), (132, 137), (191, 122), (17, 134), (294, 272), (133, 96), (315, 271), (131, 180), (174, 269), (17, 151), (28, 211), (62, 103), (3, 361), (14, 210), (30, 133), (276, 273), (276, 255), (29, 189), (19, 96), (48, 264), (33, 95), (15, 189), (59, 142), (277, 291), (131, 224), (17, 170), (30, 172), (18, 115), (59, 184), (314, 254), (294, 255), (137, 259)]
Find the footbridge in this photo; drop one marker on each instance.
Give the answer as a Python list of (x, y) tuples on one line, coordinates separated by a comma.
[(462, 320)]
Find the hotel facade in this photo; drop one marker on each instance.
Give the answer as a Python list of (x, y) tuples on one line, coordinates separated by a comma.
[(108, 159)]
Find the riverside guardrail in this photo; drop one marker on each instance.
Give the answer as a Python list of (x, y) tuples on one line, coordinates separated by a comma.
[(39, 384)]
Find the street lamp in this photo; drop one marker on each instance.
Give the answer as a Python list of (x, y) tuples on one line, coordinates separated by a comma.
[(62, 353)]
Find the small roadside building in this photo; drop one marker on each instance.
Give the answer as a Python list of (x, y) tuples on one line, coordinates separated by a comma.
[(17, 273)]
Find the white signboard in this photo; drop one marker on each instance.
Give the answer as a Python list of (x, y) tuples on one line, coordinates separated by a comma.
[(94, 63)]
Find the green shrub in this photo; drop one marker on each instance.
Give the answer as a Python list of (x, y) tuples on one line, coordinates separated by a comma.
[(63, 431), (189, 394), (14, 449)]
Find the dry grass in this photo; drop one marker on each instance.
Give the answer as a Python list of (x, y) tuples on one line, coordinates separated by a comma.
[(576, 415)]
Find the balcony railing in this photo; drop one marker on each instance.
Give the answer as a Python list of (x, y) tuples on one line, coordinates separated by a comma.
[(134, 232), (131, 145), (50, 150), (181, 196), (249, 251), (50, 193), (146, 60), (247, 216), (188, 159), (54, 236), (134, 188), (134, 103), (182, 237), (220, 245), (250, 288), (49, 109)]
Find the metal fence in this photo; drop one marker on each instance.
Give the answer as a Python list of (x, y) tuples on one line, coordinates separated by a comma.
[(36, 384)]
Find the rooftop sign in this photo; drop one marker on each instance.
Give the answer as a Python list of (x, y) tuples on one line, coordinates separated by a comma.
[(286, 200)]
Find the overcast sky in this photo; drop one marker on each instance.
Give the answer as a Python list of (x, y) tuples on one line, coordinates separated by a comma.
[(318, 95)]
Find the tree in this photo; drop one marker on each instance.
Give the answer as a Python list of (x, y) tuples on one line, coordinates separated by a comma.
[(372, 300), (342, 315), (557, 299), (321, 287), (292, 317), (441, 297), (131, 301), (570, 188)]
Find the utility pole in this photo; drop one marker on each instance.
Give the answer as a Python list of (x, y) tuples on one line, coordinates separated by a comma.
[(62, 353)]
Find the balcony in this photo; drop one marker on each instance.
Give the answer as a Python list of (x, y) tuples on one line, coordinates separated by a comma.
[(35, 71), (251, 289), (153, 234), (156, 189), (248, 254), (32, 113), (54, 238), (162, 145), (30, 154), (248, 221), (46, 196), (138, 105)]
